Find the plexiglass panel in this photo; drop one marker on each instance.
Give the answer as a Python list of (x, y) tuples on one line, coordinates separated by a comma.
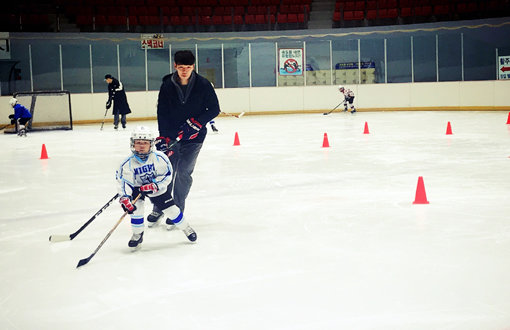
[(398, 51)]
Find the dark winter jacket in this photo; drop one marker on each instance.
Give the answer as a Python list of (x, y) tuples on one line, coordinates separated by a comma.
[(175, 107), (117, 94)]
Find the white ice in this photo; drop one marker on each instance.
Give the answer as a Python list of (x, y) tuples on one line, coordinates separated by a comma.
[(291, 235)]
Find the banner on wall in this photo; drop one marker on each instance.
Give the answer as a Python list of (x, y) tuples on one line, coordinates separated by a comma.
[(152, 41), (504, 67), (291, 62)]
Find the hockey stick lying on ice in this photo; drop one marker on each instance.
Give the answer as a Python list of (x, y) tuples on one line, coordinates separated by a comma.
[(60, 238), (327, 113), (232, 115), (86, 260)]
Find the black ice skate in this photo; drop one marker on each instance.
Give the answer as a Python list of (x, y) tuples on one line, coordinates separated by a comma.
[(169, 224), (190, 233), (353, 110), (153, 218), (135, 241), (215, 130)]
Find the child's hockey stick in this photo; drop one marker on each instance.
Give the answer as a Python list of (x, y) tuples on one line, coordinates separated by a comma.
[(60, 238), (327, 113), (86, 260)]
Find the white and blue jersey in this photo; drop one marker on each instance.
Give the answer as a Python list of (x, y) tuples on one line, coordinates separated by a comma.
[(135, 172)]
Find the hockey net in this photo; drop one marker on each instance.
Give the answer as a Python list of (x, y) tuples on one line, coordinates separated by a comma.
[(51, 110)]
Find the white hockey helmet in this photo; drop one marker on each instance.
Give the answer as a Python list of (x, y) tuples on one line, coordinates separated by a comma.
[(341, 88), (142, 133), (13, 101)]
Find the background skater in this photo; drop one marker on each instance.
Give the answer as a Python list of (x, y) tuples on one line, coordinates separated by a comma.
[(117, 95)]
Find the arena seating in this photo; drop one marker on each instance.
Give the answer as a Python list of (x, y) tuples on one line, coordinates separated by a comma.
[(357, 13), (157, 16)]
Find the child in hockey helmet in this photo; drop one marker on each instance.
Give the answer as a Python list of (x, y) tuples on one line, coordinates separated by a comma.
[(20, 117), (142, 142)]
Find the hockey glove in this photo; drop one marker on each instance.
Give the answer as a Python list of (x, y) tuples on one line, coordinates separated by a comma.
[(149, 188), (108, 104), (189, 130), (162, 144), (126, 204)]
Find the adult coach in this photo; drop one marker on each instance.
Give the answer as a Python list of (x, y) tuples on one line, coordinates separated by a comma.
[(186, 103), (117, 94)]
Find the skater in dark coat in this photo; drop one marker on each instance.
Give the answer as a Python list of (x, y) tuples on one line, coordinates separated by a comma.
[(117, 95)]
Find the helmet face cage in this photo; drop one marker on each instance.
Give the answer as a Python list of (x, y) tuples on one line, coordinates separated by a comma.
[(13, 101), (341, 88), (142, 133)]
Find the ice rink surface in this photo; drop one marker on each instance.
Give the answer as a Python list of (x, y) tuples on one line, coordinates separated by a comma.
[(291, 235)]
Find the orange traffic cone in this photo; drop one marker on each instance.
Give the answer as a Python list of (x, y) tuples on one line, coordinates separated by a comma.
[(236, 140), (365, 131), (449, 129), (421, 196), (508, 120), (44, 153), (325, 142)]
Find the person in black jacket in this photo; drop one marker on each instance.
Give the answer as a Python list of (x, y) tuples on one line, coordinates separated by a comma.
[(117, 94), (186, 103)]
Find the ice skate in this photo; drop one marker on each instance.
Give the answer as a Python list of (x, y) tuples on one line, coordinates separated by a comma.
[(215, 130), (169, 224), (153, 218), (136, 241), (353, 110), (115, 127), (190, 233), (22, 131)]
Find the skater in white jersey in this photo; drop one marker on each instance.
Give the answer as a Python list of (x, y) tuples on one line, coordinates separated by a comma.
[(348, 98), (149, 172)]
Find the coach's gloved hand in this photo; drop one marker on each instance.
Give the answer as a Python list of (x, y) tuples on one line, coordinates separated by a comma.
[(126, 204), (189, 130), (162, 143), (108, 104), (149, 188)]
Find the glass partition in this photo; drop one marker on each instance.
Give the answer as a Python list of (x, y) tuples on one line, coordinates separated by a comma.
[(45, 65), (345, 62), (450, 57), (209, 64), (399, 59), (76, 68), (237, 68), (78, 62), (318, 63), (263, 64), (424, 58), (104, 61)]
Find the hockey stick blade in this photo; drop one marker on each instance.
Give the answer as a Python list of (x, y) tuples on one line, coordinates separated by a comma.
[(241, 114), (85, 261), (60, 238)]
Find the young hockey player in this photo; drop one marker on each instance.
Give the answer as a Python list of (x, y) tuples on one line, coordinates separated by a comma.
[(20, 117), (348, 98), (148, 172)]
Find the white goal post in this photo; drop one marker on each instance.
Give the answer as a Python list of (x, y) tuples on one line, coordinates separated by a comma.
[(51, 110)]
